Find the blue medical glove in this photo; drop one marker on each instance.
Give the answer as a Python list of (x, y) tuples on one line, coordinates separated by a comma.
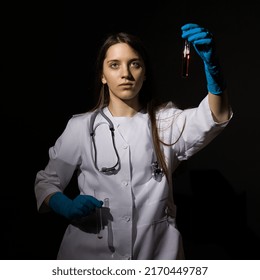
[(79, 207), (203, 43)]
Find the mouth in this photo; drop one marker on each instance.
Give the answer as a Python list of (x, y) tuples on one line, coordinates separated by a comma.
[(126, 85)]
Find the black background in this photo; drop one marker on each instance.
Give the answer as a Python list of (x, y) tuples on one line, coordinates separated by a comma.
[(49, 54)]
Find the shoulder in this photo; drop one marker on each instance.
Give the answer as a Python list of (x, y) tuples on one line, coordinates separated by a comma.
[(80, 118), (79, 121)]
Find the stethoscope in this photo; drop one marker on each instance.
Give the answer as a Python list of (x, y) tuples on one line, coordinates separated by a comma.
[(106, 170), (157, 172)]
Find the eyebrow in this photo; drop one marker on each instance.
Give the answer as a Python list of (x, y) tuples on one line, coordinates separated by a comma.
[(132, 59)]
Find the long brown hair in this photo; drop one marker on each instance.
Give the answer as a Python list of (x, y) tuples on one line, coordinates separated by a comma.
[(147, 93)]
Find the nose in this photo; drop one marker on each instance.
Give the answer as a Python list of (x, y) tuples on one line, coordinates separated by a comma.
[(126, 73)]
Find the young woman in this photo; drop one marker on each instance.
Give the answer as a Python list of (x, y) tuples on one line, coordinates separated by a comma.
[(125, 151)]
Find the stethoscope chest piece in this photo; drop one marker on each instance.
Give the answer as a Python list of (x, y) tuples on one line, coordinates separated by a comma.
[(157, 172)]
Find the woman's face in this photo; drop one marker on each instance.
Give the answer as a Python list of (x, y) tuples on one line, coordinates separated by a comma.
[(123, 72)]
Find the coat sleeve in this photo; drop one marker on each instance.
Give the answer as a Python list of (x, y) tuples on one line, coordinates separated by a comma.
[(64, 157), (189, 130)]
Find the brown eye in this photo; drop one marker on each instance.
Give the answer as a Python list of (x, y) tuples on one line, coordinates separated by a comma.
[(113, 65), (136, 64)]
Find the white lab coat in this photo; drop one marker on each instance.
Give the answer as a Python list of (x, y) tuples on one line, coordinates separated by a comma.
[(139, 221)]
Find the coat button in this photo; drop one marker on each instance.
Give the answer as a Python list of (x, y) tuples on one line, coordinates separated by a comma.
[(124, 183), (127, 218)]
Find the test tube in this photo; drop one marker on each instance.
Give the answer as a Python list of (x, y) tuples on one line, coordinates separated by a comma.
[(109, 229), (99, 223), (106, 202), (186, 59), (100, 219)]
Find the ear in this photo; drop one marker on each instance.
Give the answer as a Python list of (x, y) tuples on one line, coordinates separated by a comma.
[(103, 79)]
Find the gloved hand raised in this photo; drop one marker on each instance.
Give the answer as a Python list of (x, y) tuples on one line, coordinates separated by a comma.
[(203, 43), (79, 207)]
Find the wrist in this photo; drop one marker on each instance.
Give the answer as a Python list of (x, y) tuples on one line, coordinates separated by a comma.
[(215, 81), (60, 204)]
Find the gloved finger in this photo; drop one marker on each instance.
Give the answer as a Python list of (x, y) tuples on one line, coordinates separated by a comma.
[(188, 26), (78, 212), (87, 204), (85, 207), (190, 32), (93, 201), (81, 208), (81, 205), (86, 210), (90, 201), (196, 34), (206, 42)]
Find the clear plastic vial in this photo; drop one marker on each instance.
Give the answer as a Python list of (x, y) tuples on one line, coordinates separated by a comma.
[(100, 219), (99, 223), (186, 59)]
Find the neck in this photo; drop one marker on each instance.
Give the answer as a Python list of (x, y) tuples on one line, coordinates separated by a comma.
[(124, 109)]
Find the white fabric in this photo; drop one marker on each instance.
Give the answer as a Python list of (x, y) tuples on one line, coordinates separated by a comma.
[(140, 219)]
